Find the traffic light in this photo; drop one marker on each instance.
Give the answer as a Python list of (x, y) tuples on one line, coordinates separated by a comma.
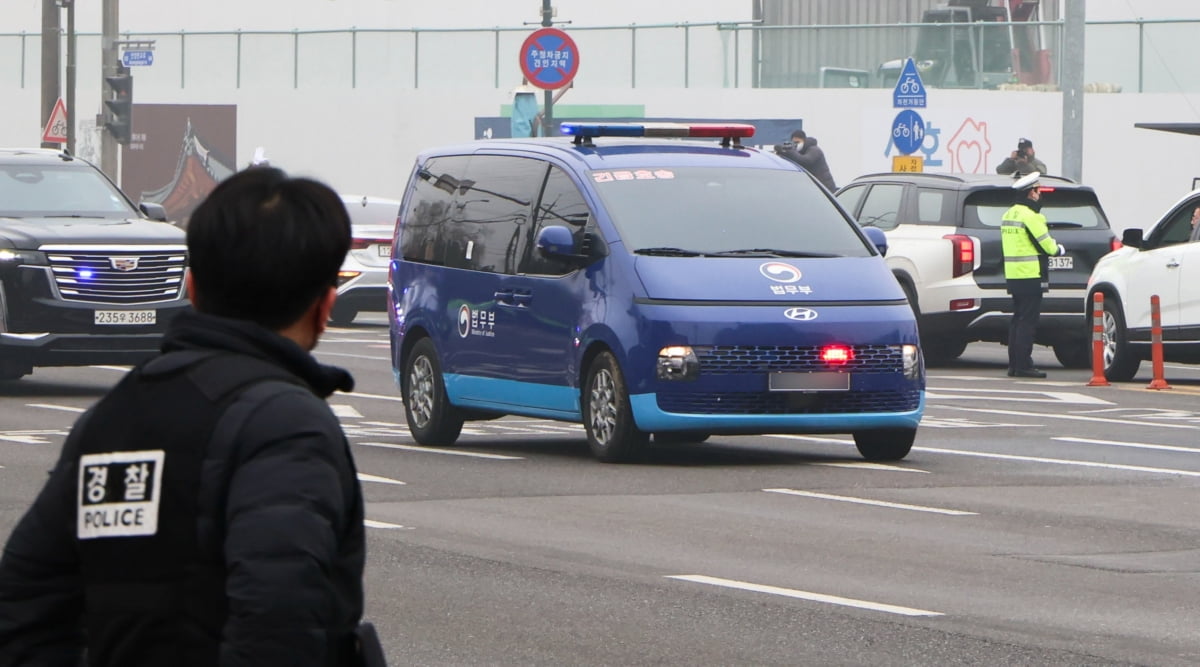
[(120, 105)]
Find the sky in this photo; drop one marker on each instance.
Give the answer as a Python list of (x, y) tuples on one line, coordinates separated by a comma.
[(192, 15)]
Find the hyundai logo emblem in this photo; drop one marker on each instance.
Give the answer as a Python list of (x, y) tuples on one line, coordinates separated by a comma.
[(800, 314), (123, 263)]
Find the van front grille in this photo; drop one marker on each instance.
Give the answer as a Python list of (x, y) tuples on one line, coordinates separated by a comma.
[(749, 359)]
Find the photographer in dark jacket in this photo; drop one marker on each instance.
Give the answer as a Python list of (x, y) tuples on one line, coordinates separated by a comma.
[(803, 150), (206, 511), (1022, 161)]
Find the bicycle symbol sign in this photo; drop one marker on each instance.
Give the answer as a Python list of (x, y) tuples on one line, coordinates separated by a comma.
[(908, 131), (910, 91)]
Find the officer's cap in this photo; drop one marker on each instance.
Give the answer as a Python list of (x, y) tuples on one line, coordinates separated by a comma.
[(1028, 181)]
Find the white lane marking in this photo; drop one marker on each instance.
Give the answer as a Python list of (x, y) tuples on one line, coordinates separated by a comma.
[(49, 406), (353, 356), (1051, 415), (364, 477), (867, 501), (23, 439), (1001, 378), (1135, 445), (375, 396), (847, 464), (959, 422), (352, 340), (369, 523), (342, 410), (1040, 459), (1015, 396), (434, 450), (804, 595)]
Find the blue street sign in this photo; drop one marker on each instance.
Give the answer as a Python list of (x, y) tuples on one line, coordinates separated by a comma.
[(908, 131), (137, 58), (910, 91)]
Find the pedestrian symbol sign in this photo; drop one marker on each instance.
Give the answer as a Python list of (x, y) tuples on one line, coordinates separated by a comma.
[(910, 91), (56, 128), (908, 131)]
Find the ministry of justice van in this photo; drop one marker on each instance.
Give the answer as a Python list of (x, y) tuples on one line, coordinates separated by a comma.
[(645, 286)]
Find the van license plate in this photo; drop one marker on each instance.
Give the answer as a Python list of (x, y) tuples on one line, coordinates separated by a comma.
[(1064, 262), (808, 382), (126, 316)]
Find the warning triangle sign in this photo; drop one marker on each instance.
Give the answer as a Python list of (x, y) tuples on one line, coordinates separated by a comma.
[(56, 127)]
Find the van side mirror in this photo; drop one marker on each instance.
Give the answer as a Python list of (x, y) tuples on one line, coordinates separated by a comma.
[(559, 242), (876, 236), (1132, 237), (153, 211)]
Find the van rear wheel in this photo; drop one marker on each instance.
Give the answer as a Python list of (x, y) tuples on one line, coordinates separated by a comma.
[(885, 444), (431, 419), (607, 416)]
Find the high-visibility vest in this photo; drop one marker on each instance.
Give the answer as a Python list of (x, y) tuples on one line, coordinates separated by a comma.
[(1021, 256)]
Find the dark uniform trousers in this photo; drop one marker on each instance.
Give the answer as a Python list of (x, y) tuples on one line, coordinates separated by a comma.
[(1027, 309)]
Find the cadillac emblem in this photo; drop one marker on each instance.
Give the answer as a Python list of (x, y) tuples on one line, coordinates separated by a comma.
[(124, 263)]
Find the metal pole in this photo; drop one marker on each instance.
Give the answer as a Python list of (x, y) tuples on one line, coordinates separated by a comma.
[(1072, 90), (108, 67), (51, 27), (71, 116), (548, 104)]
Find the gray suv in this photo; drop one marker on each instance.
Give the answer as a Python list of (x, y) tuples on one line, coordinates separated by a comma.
[(943, 234), (86, 276)]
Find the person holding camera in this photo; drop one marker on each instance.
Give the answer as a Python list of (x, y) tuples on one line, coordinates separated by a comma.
[(1022, 161), (803, 150)]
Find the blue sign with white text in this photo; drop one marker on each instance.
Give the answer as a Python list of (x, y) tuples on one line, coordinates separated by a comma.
[(908, 131), (137, 58), (910, 91)]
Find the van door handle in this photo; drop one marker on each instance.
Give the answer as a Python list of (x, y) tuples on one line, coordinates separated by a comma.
[(1173, 264), (504, 296), (522, 297)]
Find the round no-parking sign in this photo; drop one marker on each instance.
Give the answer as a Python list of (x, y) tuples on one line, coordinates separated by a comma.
[(549, 58)]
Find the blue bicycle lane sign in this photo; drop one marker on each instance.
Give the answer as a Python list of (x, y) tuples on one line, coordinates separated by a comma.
[(910, 91)]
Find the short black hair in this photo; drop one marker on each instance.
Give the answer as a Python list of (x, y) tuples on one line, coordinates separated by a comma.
[(799, 134), (263, 246)]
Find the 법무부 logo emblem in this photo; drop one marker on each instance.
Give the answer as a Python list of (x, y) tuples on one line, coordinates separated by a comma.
[(464, 321), (780, 272)]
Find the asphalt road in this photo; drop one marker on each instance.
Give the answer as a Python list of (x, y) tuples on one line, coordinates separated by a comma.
[(1035, 522)]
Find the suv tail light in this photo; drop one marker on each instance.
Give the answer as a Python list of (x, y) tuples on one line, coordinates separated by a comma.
[(1115, 244), (963, 253), (363, 244)]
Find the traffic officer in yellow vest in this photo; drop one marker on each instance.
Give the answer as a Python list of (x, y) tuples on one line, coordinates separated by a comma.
[(1027, 242)]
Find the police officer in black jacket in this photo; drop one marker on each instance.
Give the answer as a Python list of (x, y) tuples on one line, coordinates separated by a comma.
[(206, 511)]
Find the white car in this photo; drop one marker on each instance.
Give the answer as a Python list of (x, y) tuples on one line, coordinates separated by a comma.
[(362, 282), (1163, 261)]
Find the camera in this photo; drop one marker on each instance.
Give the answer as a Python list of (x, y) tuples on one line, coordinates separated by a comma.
[(785, 146), (1023, 153)]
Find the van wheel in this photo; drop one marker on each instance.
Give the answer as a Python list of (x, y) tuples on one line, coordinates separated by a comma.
[(942, 350), (342, 315), (885, 444), (678, 437), (1074, 355), (1120, 361), (607, 417), (431, 418)]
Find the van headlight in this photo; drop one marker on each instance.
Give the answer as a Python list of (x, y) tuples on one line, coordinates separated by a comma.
[(911, 355), (677, 362)]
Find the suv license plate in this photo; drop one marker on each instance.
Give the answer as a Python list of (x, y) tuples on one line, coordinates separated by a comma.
[(126, 316), (1064, 262), (385, 251)]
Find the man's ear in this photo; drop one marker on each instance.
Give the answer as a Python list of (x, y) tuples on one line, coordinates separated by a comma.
[(189, 284)]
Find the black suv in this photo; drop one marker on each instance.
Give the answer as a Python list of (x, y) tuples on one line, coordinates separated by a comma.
[(86, 277), (944, 247)]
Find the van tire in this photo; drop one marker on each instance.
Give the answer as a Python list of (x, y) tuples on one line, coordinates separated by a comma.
[(1120, 359), (432, 421), (607, 416), (1077, 354), (885, 444)]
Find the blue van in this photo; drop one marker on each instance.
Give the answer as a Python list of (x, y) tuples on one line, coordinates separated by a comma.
[(645, 286)]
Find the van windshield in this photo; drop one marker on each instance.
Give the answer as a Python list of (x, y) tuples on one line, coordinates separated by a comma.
[(725, 211)]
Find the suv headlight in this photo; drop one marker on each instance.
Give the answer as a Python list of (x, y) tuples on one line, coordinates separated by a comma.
[(10, 257)]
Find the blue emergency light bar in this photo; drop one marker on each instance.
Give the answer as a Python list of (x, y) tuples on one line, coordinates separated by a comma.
[(692, 130)]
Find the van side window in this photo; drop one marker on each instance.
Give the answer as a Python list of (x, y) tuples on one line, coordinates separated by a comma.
[(881, 207), (493, 213), (561, 204), (430, 207)]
